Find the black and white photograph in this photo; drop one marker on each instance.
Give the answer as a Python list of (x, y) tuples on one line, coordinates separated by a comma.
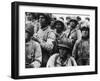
[(53, 40), (56, 40)]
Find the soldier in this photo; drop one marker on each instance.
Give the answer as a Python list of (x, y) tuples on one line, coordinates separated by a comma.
[(28, 18), (59, 28), (33, 54), (72, 34), (63, 58), (45, 37), (81, 48)]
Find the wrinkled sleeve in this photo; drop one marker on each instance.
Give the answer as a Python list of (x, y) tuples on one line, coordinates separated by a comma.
[(66, 40), (71, 41), (38, 56), (48, 45)]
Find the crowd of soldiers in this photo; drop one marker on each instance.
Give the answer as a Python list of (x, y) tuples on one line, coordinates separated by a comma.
[(51, 42)]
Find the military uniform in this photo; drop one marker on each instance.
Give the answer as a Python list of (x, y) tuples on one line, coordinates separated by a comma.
[(81, 52), (69, 37), (45, 37), (33, 54), (55, 61)]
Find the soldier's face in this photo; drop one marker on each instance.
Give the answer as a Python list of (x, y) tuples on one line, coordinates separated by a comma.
[(62, 52), (29, 17), (42, 19), (58, 27), (85, 33), (72, 24)]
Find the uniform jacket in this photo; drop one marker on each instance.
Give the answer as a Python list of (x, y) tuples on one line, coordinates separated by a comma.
[(69, 37), (81, 50), (54, 61), (46, 37), (33, 53)]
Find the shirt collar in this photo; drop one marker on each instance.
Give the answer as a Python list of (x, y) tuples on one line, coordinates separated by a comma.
[(45, 28)]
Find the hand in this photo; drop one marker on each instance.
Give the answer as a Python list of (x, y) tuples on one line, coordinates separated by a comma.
[(46, 46), (35, 64), (36, 38), (50, 47)]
